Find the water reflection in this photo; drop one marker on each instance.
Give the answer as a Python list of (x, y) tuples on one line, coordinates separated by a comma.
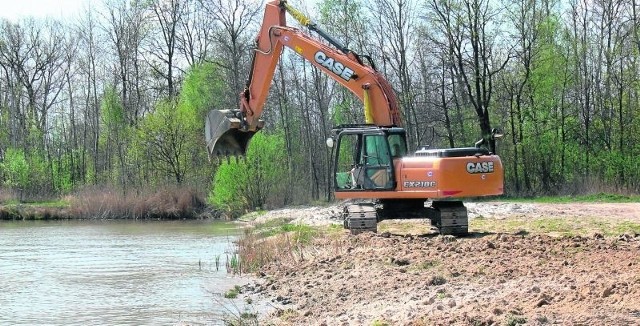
[(112, 272)]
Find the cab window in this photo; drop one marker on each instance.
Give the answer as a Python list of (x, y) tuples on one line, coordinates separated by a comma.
[(376, 151), (397, 145)]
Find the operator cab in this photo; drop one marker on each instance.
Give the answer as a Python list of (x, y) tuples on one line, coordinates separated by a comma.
[(364, 157)]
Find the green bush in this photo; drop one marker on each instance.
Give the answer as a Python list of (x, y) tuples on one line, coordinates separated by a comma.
[(253, 182), (233, 293), (15, 169)]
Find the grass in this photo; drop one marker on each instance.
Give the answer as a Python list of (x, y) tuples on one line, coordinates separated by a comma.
[(441, 294), (273, 223), (57, 203), (13, 209), (414, 227), (425, 266), (566, 226), (288, 314), (249, 315), (60, 203), (489, 225), (553, 225), (378, 322), (240, 318), (627, 227), (335, 228), (233, 263), (33, 212), (300, 232), (252, 215), (588, 198), (514, 320), (280, 242), (233, 292)]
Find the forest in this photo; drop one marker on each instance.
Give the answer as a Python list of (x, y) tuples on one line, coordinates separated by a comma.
[(115, 97)]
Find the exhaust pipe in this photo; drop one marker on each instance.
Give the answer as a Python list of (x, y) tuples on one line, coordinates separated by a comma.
[(225, 135)]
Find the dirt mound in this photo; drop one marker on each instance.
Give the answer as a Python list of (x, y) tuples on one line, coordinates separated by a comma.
[(499, 209), (309, 215), (484, 279)]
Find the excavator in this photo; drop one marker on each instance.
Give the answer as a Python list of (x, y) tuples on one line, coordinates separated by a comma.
[(371, 161)]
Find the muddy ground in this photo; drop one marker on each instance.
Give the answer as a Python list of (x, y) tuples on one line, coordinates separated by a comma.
[(534, 264)]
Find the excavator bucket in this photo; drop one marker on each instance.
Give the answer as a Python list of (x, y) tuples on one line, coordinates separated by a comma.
[(223, 134)]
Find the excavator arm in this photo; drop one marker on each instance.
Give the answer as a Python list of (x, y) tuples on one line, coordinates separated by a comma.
[(228, 132)]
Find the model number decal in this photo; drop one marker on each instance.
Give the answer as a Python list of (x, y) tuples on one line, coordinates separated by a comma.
[(419, 184), (334, 66), (480, 167)]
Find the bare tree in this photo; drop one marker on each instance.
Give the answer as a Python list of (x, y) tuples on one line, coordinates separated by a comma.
[(395, 26), (474, 54), (168, 15), (33, 54), (235, 19), (89, 51), (195, 32), (125, 25)]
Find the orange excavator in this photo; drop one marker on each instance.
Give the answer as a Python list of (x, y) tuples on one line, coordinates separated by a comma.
[(371, 160)]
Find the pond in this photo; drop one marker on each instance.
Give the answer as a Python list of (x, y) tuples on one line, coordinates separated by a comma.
[(114, 272)]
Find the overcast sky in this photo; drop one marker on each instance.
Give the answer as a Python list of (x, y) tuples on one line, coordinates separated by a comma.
[(14, 10), (17, 9)]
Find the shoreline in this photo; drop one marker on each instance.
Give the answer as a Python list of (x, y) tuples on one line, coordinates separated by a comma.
[(35, 212), (29, 212)]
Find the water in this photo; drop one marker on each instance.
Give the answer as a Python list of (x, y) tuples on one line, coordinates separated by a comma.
[(113, 272)]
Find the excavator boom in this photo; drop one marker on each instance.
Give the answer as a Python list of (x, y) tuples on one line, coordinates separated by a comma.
[(228, 132)]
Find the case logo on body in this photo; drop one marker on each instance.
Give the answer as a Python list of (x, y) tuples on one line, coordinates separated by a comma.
[(480, 167), (335, 66)]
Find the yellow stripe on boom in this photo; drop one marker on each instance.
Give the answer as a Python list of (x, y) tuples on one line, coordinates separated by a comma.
[(299, 16), (368, 110)]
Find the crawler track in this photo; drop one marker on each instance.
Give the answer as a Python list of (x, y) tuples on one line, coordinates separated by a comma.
[(449, 217)]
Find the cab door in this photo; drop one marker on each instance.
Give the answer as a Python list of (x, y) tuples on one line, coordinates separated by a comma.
[(363, 162)]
